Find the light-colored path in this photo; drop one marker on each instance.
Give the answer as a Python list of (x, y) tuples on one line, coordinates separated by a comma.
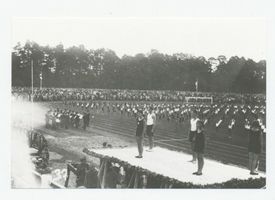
[(175, 165)]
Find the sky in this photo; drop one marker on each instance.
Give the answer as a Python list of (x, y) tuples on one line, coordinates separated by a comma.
[(208, 37)]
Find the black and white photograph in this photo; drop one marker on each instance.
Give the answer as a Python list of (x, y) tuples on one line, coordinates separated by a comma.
[(167, 103), (137, 99)]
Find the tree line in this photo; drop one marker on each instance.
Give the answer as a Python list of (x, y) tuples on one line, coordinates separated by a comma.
[(78, 67)]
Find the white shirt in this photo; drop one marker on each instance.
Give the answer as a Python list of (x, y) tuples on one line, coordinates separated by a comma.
[(150, 120), (193, 123)]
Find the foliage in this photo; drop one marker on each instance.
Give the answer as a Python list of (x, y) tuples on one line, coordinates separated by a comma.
[(77, 67)]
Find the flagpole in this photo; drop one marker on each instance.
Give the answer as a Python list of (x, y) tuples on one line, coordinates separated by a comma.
[(41, 77), (32, 78), (32, 96)]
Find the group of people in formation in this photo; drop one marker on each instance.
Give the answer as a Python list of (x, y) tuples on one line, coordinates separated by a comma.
[(147, 123), (59, 118)]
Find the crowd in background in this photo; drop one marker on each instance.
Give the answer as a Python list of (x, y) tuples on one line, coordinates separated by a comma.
[(81, 94), (226, 109)]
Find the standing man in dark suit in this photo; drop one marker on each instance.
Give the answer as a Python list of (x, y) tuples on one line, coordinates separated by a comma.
[(140, 132), (254, 146), (199, 147)]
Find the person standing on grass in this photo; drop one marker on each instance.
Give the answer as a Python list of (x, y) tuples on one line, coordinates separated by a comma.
[(254, 146), (192, 133), (140, 132), (199, 146), (150, 127)]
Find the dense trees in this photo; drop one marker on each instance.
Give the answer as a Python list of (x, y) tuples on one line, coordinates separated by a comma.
[(102, 68)]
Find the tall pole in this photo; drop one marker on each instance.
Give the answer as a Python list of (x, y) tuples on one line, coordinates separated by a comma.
[(197, 85), (41, 77), (32, 78), (32, 96)]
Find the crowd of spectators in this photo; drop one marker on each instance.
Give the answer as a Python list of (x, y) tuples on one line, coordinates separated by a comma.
[(83, 94)]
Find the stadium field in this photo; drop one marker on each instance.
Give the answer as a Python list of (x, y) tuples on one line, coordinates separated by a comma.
[(222, 146)]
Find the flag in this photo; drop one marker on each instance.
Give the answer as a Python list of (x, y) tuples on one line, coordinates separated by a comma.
[(197, 85)]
